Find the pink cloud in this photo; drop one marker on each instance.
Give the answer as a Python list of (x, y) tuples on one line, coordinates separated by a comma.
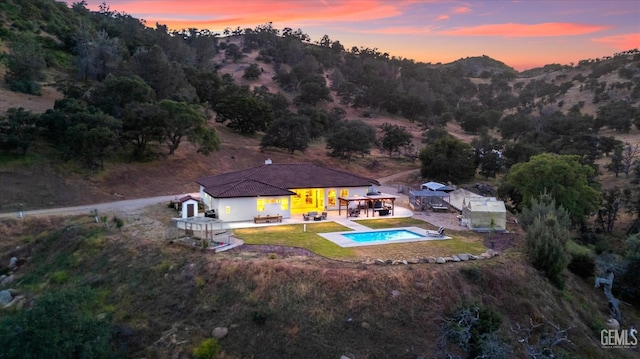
[(621, 41), (526, 30), (402, 30), (206, 13), (443, 17), (462, 10)]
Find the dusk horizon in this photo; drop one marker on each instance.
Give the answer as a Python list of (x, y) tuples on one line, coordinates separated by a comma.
[(523, 35)]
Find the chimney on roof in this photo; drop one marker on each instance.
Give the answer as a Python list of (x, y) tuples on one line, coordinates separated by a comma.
[(268, 161)]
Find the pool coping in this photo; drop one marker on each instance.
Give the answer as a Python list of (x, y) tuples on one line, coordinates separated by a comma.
[(342, 241)]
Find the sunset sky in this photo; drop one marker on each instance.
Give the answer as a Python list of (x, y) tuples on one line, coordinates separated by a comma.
[(522, 34)]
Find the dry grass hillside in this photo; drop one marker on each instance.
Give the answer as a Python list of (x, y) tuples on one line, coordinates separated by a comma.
[(41, 181), (166, 299)]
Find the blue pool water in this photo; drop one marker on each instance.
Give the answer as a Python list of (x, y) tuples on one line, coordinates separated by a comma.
[(378, 236)]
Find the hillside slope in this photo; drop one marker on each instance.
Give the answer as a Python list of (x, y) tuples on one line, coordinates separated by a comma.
[(165, 299)]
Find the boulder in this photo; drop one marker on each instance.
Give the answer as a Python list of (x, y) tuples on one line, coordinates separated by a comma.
[(455, 258), (5, 297), (365, 325), (7, 280), (448, 259), (431, 259), (441, 260), (473, 257), (463, 256), (13, 262), (612, 323), (413, 261), (379, 262), (493, 253), (220, 332)]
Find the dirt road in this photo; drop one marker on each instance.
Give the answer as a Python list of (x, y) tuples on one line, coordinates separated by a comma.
[(116, 206)]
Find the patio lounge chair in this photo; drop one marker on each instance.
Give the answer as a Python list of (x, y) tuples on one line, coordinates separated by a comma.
[(324, 215), (438, 233), (305, 216)]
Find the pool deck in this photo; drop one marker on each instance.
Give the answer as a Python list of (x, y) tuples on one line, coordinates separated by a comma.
[(332, 216), (342, 241)]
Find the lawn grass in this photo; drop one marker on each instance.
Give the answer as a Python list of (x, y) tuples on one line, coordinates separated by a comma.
[(292, 235)]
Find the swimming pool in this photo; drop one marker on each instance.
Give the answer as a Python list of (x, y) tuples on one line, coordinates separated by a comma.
[(380, 236), (385, 235)]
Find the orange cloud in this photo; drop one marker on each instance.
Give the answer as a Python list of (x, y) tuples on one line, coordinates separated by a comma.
[(621, 41), (221, 14), (403, 30), (526, 30), (461, 10), (443, 17)]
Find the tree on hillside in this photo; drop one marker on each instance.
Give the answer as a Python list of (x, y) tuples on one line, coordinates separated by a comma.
[(568, 181), (183, 120), (166, 77), (116, 92), (17, 130), (617, 115), (142, 126), (629, 155), (313, 89), (91, 137), (319, 121), (25, 64), (349, 138), (252, 72), (290, 133), (394, 138), (612, 200), (615, 165), (96, 57), (244, 112), (547, 247), (447, 159)]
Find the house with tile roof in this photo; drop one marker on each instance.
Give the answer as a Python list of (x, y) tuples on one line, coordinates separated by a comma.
[(284, 189)]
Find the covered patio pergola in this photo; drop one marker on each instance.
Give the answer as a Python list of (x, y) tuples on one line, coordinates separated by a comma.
[(366, 202)]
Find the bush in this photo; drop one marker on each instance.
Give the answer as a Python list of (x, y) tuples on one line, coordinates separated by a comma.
[(60, 324), (118, 221), (547, 247), (472, 328), (207, 349), (582, 265), (252, 72), (472, 274)]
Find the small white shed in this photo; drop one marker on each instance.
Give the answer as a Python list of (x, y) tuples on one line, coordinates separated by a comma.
[(189, 206), (484, 214)]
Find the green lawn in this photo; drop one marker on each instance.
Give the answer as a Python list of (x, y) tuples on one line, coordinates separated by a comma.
[(294, 236)]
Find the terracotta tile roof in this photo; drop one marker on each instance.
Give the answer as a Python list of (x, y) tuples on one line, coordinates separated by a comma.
[(276, 179)]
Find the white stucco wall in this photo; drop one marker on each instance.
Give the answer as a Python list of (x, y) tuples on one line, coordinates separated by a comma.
[(186, 204), (245, 208)]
